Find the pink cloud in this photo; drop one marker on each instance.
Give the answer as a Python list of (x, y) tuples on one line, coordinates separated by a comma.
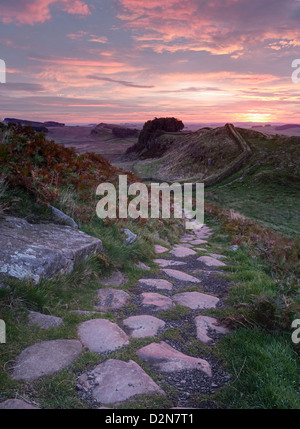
[(219, 27), (38, 11)]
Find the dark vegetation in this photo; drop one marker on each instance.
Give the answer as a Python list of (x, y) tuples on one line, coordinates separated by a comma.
[(152, 129), (124, 133)]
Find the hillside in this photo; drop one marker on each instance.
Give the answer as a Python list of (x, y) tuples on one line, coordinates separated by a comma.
[(253, 173)]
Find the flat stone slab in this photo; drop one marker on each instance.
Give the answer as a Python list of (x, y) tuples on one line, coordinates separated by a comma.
[(161, 302), (204, 324), (44, 321), (45, 358), (116, 279), (211, 262), (143, 326), (168, 263), (143, 266), (197, 242), (16, 404), (166, 359), (156, 283), (184, 245), (180, 275), (195, 300), (160, 249), (118, 381), (217, 256), (111, 299), (102, 336), (182, 252), (38, 251)]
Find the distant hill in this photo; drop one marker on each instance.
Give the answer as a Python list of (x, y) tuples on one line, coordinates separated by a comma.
[(104, 130), (37, 126), (287, 127)]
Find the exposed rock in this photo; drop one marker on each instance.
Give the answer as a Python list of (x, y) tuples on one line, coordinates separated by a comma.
[(217, 256), (44, 321), (195, 300), (37, 251), (166, 359), (211, 262), (143, 266), (160, 302), (16, 404), (197, 242), (160, 249), (180, 275), (45, 358), (204, 323), (101, 335), (143, 326), (62, 218), (156, 283), (234, 247), (168, 262), (116, 279), (111, 299), (118, 381), (131, 237), (182, 252)]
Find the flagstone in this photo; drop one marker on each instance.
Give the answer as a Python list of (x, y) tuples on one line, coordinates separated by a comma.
[(16, 404), (168, 262), (111, 299), (195, 300), (182, 252), (157, 300), (143, 326), (45, 358), (117, 381), (102, 336), (211, 262), (180, 275), (160, 249), (197, 242), (217, 256), (43, 320), (204, 323), (166, 359), (156, 283), (116, 279)]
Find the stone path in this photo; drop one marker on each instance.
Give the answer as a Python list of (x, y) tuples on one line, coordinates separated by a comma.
[(184, 280)]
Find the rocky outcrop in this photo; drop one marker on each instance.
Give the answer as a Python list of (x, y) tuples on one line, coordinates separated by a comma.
[(38, 251)]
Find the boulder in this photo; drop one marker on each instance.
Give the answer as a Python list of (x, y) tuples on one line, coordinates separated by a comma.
[(39, 251)]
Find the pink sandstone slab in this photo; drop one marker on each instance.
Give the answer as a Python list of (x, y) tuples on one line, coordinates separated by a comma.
[(143, 326), (217, 256), (111, 299), (168, 262), (44, 321), (118, 381), (182, 252), (211, 262), (116, 279), (160, 249), (166, 359), (45, 358), (16, 404), (156, 283), (180, 275), (157, 300), (101, 335), (204, 323), (197, 242), (195, 300)]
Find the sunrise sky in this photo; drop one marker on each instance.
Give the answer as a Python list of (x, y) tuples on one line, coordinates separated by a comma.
[(97, 61)]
